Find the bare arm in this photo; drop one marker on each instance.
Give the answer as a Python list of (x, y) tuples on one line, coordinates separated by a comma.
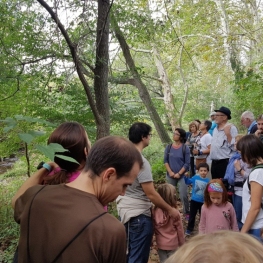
[(35, 179), (157, 200), (169, 170), (256, 195)]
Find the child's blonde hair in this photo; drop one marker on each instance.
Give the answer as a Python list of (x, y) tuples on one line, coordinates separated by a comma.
[(168, 193), (207, 199), (239, 136), (217, 247)]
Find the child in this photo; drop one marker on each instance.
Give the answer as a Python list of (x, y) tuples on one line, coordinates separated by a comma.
[(199, 182), (217, 213), (169, 232), (222, 246)]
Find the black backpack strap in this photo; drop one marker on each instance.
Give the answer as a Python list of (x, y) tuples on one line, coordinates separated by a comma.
[(169, 146), (254, 168), (75, 237)]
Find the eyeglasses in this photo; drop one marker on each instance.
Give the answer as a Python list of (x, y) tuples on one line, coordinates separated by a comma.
[(217, 115), (178, 134)]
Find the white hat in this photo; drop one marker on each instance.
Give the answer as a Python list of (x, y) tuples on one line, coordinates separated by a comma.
[(212, 113)]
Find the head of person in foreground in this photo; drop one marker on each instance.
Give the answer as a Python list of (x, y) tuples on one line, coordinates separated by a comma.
[(218, 247), (112, 164)]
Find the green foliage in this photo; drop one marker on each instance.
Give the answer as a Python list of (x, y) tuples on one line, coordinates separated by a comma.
[(158, 171), (9, 229), (248, 91)]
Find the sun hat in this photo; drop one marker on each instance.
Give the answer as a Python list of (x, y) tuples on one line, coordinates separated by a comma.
[(226, 111)]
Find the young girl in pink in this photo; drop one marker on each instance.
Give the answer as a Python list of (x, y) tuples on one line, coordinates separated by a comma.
[(217, 213), (169, 232)]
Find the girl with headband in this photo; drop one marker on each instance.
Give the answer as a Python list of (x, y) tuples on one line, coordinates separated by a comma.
[(217, 213)]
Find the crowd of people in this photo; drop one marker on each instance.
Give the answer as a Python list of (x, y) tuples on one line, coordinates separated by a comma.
[(62, 208)]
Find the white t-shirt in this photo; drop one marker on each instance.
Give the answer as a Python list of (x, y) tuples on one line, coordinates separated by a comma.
[(202, 144), (255, 176)]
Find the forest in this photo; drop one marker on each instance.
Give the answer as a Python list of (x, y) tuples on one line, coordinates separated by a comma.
[(109, 63)]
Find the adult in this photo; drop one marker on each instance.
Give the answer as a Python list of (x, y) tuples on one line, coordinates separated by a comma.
[(134, 208), (236, 172), (221, 246), (259, 132), (67, 222), (212, 116), (203, 143), (176, 161), (248, 120), (73, 137), (252, 196), (222, 145), (190, 142)]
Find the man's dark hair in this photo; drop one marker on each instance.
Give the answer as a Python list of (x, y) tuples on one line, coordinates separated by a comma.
[(207, 124), (203, 165), (138, 131), (112, 151), (182, 134), (251, 149)]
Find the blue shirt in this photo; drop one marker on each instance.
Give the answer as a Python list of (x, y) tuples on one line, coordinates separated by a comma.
[(199, 184), (212, 128), (176, 159), (251, 126)]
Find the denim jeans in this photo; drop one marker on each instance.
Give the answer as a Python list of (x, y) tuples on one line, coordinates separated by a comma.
[(139, 231), (182, 187), (237, 203), (256, 233)]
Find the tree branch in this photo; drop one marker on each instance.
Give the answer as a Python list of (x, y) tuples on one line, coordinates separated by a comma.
[(73, 49)]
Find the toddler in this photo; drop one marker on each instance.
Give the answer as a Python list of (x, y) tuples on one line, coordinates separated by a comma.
[(169, 232)]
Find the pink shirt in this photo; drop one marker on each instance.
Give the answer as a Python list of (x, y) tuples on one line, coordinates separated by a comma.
[(169, 232), (216, 218), (72, 177)]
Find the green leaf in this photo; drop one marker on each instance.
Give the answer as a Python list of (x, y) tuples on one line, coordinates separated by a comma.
[(47, 151), (36, 133), (57, 147), (26, 137), (67, 158), (8, 128)]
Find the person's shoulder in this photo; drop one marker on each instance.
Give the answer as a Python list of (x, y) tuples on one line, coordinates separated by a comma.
[(112, 224)]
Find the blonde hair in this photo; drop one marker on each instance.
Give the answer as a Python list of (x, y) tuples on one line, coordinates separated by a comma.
[(239, 136), (168, 194), (217, 247), (194, 123)]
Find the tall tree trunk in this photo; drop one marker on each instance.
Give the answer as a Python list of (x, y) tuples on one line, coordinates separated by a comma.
[(100, 104), (167, 91), (186, 86), (143, 92), (231, 54), (101, 69)]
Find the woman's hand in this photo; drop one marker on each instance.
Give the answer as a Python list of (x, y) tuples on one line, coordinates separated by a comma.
[(195, 152), (177, 175)]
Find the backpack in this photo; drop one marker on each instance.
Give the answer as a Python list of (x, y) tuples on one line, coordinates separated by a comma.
[(254, 168), (248, 183), (169, 150)]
